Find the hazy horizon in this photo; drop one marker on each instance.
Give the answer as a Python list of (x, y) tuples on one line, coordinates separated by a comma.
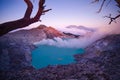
[(72, 12)]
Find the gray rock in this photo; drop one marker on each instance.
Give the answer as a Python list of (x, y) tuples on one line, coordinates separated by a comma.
[(100, 62)]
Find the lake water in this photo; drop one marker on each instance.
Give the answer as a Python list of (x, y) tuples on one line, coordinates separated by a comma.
[(46, 55)]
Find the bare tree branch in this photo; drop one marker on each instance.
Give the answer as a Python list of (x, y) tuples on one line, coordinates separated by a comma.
[(118, 3), (95, 1), (29, 9), (26, 20), (40, 10), (108, 3), (101, 6), (46, 11), (112, 19)]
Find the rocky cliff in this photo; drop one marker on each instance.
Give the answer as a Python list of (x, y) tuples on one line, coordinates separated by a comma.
[(101, 60), (16, 47), (106, 54), (51, 32)]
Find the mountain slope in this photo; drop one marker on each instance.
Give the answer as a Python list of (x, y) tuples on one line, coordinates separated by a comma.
[(35, 34), (100, 62), (105, 53), (51, 32), (16, 47)]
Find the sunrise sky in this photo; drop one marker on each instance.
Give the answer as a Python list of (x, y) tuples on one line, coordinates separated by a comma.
[(64, 12)]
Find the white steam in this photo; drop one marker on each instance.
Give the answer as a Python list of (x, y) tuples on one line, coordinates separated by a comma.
[(70, 43), (81, 42)]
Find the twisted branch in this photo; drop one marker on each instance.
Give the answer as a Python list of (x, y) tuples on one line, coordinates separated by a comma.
[(112, 19), (29, 9), (26, 20)]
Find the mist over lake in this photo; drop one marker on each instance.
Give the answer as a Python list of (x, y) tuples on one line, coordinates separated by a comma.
[(58, 51)]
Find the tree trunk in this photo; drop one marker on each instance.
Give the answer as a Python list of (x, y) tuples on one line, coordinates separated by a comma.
[(26, 20)]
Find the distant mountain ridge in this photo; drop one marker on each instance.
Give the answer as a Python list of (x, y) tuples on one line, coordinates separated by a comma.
[(36, 34), (81, 28)]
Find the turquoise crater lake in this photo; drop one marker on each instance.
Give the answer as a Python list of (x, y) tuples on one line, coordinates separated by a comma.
[(45, 55)]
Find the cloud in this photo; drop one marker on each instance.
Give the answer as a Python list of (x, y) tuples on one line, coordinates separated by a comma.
[(81, 42), (81, 28)]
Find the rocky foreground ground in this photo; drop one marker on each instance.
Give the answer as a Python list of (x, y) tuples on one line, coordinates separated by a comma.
[(101, 60)]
